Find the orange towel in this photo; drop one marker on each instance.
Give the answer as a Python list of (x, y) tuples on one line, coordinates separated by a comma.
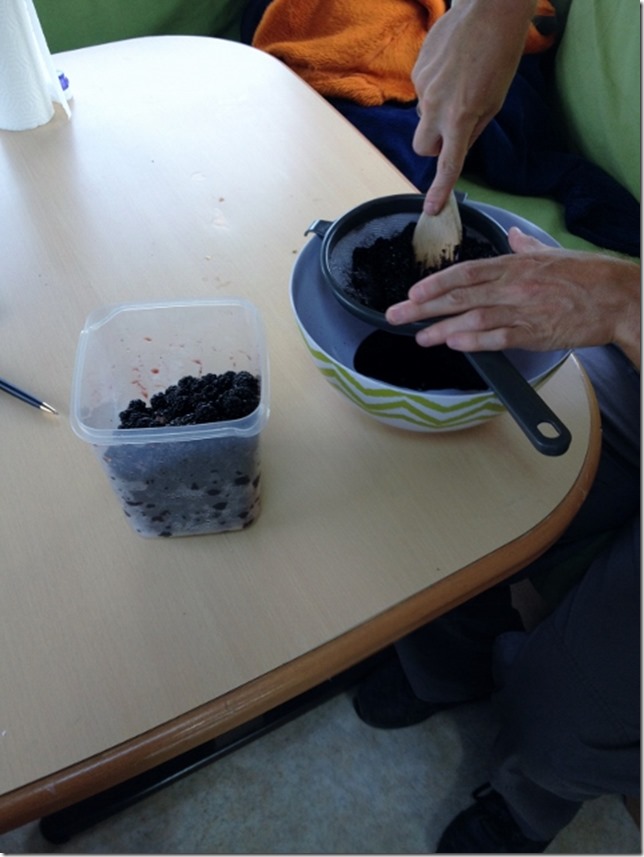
[(363, 50), (358, 49)]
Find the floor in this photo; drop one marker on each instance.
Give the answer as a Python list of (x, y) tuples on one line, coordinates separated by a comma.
[(325, 783)]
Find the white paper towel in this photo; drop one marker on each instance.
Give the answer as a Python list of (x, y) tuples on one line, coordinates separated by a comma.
[(29, 84)]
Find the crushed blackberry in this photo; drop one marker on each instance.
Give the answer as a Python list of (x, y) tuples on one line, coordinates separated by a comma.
[(192, 401), (383, 272)]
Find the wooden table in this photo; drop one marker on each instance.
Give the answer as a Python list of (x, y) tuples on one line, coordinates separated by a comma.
[(192, 167)]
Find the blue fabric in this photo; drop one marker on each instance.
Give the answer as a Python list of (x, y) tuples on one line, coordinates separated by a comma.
[(251, 17), (391, 128), (521, 152)]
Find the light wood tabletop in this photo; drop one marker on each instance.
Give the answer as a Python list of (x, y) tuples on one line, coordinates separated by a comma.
[(191, 167)]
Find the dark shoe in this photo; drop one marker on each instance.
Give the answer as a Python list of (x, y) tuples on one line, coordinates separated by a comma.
[(384, 699), (487, 828)]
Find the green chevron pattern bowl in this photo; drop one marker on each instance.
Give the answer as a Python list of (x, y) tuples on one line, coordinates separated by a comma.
[(332, 336)]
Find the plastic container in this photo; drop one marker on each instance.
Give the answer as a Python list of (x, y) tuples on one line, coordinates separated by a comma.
[(172, 480)]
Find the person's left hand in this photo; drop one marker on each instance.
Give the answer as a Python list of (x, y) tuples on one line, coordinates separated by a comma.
[(537, 298)]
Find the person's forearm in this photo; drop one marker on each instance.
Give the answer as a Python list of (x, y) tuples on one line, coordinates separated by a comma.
[(518, 10), (510, 18)]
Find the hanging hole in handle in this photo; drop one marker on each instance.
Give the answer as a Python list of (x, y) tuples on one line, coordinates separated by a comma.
[(549, 430)]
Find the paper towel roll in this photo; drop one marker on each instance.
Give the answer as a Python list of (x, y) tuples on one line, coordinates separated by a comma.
[(29, 84)]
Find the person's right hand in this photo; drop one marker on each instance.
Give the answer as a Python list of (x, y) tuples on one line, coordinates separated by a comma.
[(538, 298), (462, 75)]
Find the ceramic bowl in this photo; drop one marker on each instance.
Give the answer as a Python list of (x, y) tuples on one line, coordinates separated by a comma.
[(332, 336)]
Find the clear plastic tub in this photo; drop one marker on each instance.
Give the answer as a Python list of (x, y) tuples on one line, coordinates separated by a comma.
[(172, 480)]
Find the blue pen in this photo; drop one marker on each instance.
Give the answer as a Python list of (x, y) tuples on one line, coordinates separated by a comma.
[(26, 397)]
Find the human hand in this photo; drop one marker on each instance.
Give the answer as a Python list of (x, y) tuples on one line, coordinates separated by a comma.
[(462, 75), (538, 298)]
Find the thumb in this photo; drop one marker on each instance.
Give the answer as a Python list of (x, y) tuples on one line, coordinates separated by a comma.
[(522, 243)]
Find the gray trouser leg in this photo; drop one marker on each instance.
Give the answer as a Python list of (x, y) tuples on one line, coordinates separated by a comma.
[(570, 698), (570, 689)]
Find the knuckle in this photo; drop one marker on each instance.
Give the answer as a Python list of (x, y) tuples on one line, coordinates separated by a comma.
[(449, 168), (457, 298), (503, 338), (478, 319)]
